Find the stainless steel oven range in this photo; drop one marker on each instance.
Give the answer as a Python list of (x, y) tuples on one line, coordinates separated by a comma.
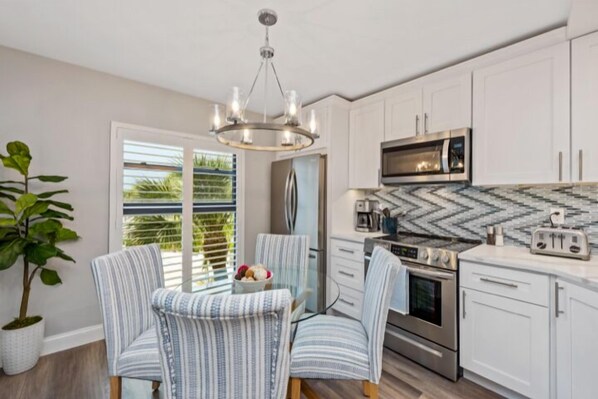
[(429, 332)]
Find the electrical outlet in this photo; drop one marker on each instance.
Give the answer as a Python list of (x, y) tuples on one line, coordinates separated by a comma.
[(560, 218)]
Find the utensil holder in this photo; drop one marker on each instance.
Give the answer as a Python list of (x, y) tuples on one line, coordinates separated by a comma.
[(390, 225)]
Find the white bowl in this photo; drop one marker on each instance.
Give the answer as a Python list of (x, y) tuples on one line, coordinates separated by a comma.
[(253, 286)]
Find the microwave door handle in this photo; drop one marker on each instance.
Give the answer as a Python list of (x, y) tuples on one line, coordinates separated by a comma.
[(445, 155)]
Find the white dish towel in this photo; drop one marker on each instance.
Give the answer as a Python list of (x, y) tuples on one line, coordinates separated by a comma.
[(400, 296)]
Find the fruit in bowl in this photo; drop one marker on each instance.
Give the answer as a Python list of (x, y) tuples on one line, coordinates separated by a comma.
[(252, 278)]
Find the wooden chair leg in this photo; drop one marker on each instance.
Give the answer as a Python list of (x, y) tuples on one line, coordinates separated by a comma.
[(115, 387), (155, 385), (295, 388), (366, 388), (373, 391)]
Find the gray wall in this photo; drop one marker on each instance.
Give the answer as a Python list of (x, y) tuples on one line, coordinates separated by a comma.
[(63, 113)]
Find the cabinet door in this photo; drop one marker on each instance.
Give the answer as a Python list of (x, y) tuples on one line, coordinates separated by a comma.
[(576, 343), (447, 104), (366, 132), (521, 119), (403, 114), (584, 104), (506, 341)]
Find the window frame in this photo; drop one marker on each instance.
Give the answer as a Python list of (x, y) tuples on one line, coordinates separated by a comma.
[(119, 132)]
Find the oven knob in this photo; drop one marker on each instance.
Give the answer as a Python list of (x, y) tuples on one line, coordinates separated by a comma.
[(445, 258), (435, 256), (424, 255)]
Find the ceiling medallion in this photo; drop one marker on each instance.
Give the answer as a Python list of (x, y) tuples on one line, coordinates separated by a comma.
[(236, 131)]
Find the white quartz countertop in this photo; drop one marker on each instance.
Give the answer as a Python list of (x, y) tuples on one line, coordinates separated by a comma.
[(354, 236), (576, 271)]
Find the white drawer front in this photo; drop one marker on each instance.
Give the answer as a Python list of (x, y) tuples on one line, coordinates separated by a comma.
[(349, 302), (347, 272), (515, 284), (347, 249)]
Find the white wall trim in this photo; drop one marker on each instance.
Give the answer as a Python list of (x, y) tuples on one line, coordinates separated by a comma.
[(72, 339)]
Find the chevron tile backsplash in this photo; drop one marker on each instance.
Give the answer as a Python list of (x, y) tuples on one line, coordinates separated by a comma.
[(465, 211)]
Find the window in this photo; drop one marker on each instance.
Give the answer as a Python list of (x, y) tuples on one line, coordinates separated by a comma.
[(182, 193)]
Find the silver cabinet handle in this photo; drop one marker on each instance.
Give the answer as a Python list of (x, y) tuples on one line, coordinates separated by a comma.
[(580, 165), (349, 251), (417, 125), (347, 302), (560, 165), (346, 274), (463, 301), (557, 311), (425, 122), (487, 280)]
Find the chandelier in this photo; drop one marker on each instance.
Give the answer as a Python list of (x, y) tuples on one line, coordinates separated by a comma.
[(234, 130)]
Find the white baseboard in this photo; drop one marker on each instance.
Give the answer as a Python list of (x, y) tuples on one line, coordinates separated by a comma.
[(492, 386), (72, 339)]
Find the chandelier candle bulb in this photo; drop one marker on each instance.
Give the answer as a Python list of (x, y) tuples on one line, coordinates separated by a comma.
[(235, 105), (216, 119), (313, 123), (292, 108), (247, 137)]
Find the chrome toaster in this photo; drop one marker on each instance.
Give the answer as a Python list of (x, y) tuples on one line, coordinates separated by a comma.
[(569, 242)]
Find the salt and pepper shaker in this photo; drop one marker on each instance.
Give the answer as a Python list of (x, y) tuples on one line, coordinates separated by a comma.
[(499, 237), (490, 237)]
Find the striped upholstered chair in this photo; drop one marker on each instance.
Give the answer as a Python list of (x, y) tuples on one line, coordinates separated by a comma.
[(329, 347), (124, 282), (223, 346), (288, 258)]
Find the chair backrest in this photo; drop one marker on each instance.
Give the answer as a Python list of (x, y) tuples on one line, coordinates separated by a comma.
[(382, 275), (285, 255), (223, 346), (124, 282)]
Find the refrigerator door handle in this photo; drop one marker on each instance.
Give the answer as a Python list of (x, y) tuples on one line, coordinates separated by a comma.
[(287, 207), (294, 199)]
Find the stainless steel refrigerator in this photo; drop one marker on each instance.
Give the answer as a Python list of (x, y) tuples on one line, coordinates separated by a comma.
[(298, 207)]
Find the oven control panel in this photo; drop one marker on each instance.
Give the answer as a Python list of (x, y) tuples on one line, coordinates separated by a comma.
[(404, 251)]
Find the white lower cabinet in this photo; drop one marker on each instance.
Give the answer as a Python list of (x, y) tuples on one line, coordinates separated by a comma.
[(506, 341), (346, 268), (576, 342)]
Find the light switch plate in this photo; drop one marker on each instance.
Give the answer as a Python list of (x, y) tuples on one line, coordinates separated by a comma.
[(560, 218)]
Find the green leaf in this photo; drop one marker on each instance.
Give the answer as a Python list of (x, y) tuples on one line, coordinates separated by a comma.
[(44, 228), (7, 222), (49, 179), (50, 213), (10, 197), (48, 194), (10, 251), (8, 234), (39, 254), (37, 209), (64, 256), (25, 201), (65, 234), (17, 148), (12, 182), (62, 205), (5, 210), (17, 162), (50, 277), (11, 190)]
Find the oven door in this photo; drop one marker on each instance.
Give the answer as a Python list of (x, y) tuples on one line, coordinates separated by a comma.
[(432, 305)]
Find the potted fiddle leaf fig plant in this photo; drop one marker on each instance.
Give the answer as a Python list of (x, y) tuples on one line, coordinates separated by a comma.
[(31, 227)]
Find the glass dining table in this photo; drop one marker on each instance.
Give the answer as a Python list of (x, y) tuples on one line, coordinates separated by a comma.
[(306, 303)]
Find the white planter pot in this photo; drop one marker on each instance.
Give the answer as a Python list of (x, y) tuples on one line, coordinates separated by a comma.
[(20, 349)]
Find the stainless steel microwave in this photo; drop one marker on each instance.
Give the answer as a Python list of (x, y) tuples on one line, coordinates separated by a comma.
[(427, 158)]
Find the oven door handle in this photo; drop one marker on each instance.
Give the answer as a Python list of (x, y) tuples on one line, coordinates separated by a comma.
[(445, 155), (429, 273)]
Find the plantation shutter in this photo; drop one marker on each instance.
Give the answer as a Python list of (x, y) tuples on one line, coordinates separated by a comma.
[(154, 210)]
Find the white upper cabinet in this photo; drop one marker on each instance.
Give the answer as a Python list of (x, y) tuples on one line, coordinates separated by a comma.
[(521, 119), (447, 104), (366, 132), (576, 343), (584, 107), (430, 106), (403, 114)]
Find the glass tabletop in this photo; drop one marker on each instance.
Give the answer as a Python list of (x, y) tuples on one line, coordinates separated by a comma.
[(319, 295)]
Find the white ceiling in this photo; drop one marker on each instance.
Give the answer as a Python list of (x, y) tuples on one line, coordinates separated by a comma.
[(203, 47)]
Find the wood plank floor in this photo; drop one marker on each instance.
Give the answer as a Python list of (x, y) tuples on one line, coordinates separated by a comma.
[(81, 373)]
